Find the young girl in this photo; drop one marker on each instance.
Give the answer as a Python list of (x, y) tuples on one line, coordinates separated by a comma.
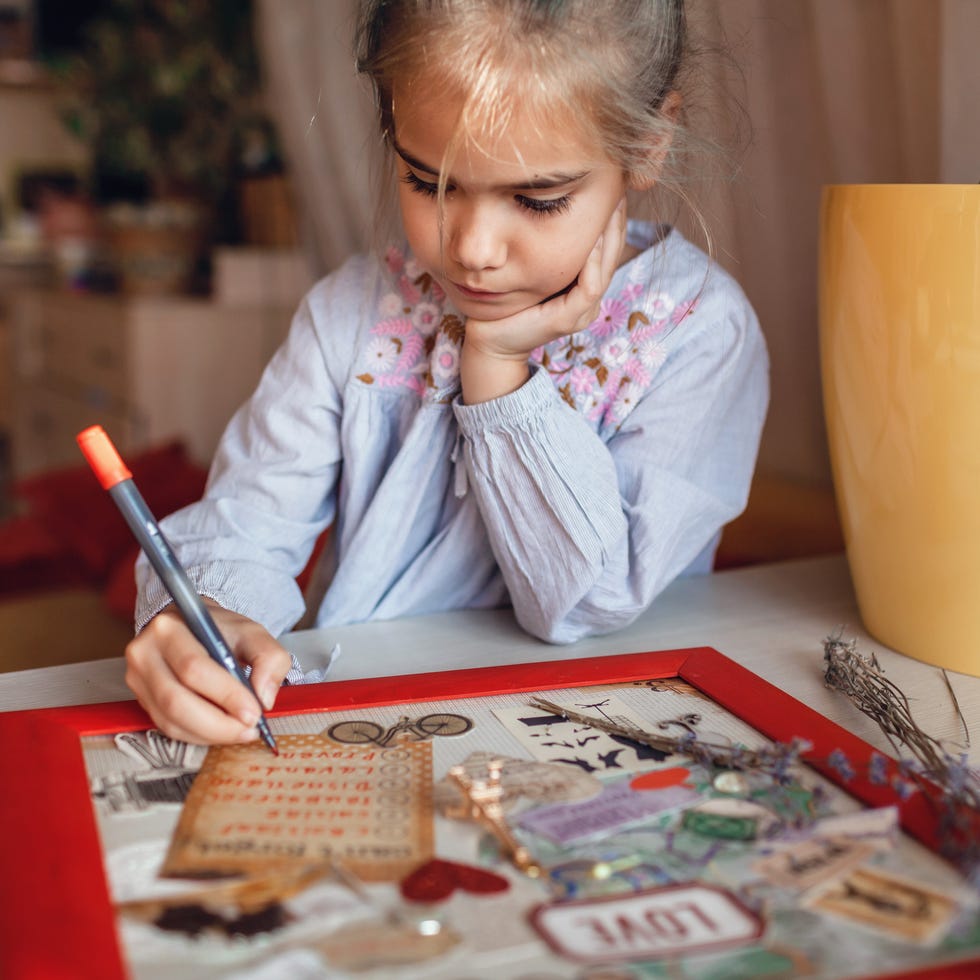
[(535, 402)]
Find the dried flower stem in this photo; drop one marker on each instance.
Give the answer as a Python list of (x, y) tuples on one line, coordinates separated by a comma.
[(862, 680), (775, 759)]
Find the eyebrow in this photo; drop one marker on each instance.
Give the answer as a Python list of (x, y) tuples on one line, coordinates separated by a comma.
[(538, 184)]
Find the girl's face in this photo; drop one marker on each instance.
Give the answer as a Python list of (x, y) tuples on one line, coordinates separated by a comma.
[(521, 213)]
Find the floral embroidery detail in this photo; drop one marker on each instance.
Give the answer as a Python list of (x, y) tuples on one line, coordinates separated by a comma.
[(602, 371), (442, 379), (613, 314), (397, 354), (425, 316), (615, 351), (661, 305), (382, 353), (392, 305)]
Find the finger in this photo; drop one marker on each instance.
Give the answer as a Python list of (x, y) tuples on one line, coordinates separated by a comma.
[(270, 663), (581, 306), (181, 713), (591, 279), (605, 256), (251, 645), (183, 689), (614, 238)]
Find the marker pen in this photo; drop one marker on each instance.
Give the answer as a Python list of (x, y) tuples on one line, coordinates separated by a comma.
[(113, 475)]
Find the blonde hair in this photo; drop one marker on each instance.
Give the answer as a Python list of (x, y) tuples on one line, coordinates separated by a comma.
[(607, 66)]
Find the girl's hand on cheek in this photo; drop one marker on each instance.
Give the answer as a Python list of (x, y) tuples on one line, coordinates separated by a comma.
[(188, 695), (495, 352)]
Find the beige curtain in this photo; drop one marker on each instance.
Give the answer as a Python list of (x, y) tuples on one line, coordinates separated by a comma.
[(325, 119), (836, 91)]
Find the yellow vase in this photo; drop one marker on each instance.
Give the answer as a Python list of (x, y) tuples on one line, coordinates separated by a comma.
[(900, 360)]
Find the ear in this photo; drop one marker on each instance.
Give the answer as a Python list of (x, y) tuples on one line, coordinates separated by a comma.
[(670, 111)]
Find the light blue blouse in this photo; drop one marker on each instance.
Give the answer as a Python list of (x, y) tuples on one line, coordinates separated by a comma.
[(575, 499)]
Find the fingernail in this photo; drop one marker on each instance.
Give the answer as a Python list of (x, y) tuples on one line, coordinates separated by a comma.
[(248, 717), (268, 695), (249, 735)]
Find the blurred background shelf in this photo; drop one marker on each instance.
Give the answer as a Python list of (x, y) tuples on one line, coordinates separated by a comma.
[(148, 369)]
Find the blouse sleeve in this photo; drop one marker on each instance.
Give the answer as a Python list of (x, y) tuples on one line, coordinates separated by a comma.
[(271, 488), (588, 527)]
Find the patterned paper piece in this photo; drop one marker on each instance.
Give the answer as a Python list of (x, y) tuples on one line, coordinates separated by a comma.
[(368, 808), (812, 862), (877, 827), (889, 905), (617, 806)]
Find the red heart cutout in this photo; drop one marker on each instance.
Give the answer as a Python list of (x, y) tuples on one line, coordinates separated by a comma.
[(661, 778), (437, 880)]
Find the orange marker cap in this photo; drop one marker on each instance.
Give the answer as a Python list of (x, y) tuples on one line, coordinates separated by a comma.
[(102, 456)]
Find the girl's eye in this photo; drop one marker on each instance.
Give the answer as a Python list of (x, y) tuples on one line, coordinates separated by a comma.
[(536, 205), (421, 186), (553, 205)]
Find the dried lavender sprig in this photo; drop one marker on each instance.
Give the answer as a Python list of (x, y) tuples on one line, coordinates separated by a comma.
[(775, 759), (862, 680)]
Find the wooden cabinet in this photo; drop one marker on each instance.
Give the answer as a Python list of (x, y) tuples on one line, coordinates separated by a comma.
[(148, 369)]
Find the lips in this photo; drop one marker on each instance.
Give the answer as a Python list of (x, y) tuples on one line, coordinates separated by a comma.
[(472, 293)]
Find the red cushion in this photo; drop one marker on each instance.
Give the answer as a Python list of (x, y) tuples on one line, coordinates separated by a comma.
[(76, 511), (32, 558), (119, 594)]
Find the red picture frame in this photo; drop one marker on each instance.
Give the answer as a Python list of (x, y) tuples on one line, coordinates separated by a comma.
[(58, 920)]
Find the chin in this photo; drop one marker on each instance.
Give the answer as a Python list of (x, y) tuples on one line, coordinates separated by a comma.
[(490, 314)]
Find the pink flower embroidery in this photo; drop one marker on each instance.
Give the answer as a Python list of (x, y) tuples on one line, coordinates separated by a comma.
[(582, 380), (426, 316), (410, 292), (636, 372), (396, 326), (681, 310), (444, 363), (613, 314), (614, 351), (602, 371), (394, 259), (660, 306)]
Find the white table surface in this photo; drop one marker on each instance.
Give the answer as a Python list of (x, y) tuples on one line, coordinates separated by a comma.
[(772, 619)]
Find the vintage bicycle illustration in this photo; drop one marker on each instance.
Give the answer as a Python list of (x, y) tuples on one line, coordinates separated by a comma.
[(362, 731)]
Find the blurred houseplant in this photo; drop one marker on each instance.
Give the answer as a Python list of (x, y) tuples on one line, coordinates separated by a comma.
[(167, 95)]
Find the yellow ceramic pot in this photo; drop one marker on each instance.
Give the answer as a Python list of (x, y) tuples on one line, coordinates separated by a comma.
[(900, 360)]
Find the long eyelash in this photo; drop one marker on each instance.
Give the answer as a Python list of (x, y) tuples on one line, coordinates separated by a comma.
[(557, 205), (420, 186)]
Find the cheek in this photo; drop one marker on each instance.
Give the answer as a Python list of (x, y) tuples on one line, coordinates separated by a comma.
[(419, 222), (566, 254)]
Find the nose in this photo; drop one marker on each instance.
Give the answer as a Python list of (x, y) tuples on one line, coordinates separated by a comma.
[(476, 238)]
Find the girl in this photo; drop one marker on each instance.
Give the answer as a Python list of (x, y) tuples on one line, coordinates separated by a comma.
[(535, 402)]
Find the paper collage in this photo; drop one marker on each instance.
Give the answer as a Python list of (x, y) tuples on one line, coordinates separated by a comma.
[(485, 838)]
